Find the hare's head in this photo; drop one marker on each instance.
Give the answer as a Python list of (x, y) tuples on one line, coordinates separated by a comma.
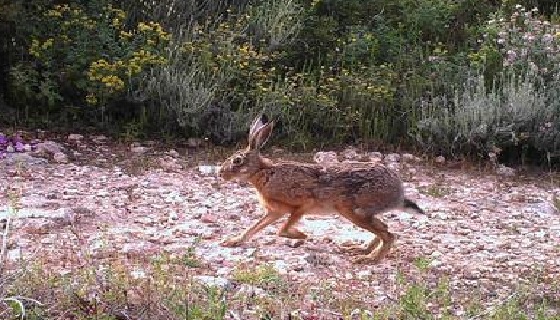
[(246, 162)]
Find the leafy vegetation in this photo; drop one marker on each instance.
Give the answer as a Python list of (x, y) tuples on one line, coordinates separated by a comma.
[(463, 78)]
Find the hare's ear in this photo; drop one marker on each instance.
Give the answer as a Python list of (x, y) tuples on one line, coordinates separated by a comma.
[(259, 121), (260, 136)]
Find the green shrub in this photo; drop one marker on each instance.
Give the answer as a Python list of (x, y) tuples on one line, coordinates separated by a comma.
[(81, 54), (219, 67), (512, 104)]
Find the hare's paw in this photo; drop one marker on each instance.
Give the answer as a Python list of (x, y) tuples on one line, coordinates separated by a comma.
[(293, 234), (354, 249), (233, 242), (372, 257), (367, 259)]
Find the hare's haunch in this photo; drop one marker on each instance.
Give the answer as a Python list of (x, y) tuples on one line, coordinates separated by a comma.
[(357, 191)]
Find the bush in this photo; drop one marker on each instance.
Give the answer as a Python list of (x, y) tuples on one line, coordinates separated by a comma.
[(219, 66), (512, 103), (81, 54)]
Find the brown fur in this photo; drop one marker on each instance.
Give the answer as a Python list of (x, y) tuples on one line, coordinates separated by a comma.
[(358, 192)]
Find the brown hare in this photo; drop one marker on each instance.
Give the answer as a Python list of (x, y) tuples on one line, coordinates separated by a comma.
[(358, 192)]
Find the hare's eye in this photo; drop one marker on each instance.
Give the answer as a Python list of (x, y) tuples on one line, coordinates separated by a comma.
[(237, 160)]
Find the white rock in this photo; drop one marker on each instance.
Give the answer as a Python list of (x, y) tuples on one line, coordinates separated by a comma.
[(60, 157), (99, 139), (199, 211), (208, 169), (408, 157), (436, 254), (361, 313), (14, 255), (392, 157), (250, 291), (174, 153), (376, 154), (138, 274), (195, 142), (325, 157), (440, 159), (212, 281), (505, 171), (350, 153), (75, 137), (48, 148), (138, 149)]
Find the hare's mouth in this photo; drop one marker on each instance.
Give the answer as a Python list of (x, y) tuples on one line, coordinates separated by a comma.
[(235, 176)]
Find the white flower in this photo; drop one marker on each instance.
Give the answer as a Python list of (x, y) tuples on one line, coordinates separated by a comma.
[(511, 55), (533, 66)]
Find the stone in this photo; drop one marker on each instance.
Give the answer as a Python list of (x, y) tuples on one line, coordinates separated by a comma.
[(75, 137), (325, 157), (212, 281), (408, 157), (48, 148), (195, 142), (208, 170), (138, 149), (23, 158), (505, 171), (173, 153), (209, 218), (392, 157), (440, 159), (99, 139), (60, 157), (350, 153)]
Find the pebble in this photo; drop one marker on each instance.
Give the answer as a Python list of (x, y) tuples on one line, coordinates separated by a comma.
[(212, 281)]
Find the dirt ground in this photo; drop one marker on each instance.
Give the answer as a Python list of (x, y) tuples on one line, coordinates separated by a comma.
[(486, 232)]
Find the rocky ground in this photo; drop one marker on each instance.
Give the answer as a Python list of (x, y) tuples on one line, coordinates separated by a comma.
[(487, 231)]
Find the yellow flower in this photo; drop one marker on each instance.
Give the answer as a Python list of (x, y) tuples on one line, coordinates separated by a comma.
[(125, 34), (53, 13), (143, 27), (47, 44), (91, 99)]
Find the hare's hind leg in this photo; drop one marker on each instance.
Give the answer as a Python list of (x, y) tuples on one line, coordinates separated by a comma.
[(382, 234), (378, 248), (358, 249)]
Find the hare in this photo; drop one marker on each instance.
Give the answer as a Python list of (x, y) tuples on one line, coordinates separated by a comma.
[(357, 192)]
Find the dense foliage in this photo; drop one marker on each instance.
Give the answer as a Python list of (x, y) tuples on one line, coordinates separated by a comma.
[(461, 78)]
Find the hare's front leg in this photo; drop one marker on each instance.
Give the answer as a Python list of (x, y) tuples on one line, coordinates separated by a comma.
[(269, 218), (288, 230)]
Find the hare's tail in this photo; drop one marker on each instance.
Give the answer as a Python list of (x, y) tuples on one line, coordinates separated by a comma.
[(409, 204)]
